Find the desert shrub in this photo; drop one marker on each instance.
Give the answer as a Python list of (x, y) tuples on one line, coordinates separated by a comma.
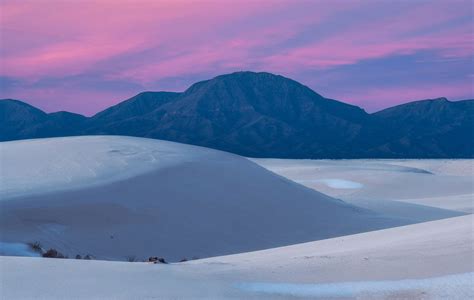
[(131, 258), (162, 260), (36, 246), (156, 259), (53, 253)]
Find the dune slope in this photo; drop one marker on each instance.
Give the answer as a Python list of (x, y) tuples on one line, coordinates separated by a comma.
[(119, 197), (417, 189), (431, 260)]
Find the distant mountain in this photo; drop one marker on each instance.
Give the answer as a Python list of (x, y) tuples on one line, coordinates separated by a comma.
[(19, 120), (266, 115), (138, 105), (258, 114), (429, 128)]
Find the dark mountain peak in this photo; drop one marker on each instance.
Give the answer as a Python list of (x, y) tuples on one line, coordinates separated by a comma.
[(433, 100), (146, 95), (430, 128), (421, 108), (246, 93), (260, 91), (65, 116), (261, 114), (19, 119), (251, 75), (427, 102), (16, 110), (259, 78), (139, 104), (12, 101), (249, 113), (16, 117), (18, 103), (65, 113), (249, 79)]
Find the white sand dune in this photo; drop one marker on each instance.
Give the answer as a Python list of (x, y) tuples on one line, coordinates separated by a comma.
[(432, 260), (120, 196), (462, 202), (115, 197), (429, 249), (387, 185)]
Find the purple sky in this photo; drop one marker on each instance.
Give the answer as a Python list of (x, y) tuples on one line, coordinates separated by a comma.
[(84, 56)]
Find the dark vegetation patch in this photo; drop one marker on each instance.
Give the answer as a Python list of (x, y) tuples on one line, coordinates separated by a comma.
[(53, 253)]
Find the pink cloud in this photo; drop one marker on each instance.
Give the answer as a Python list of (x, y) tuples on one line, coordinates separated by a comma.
[(342, 51), (81, 34), (380, 38), (144, 42), (65, 58)]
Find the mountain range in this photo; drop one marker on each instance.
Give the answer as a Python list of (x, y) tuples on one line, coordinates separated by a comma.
[(264, 115)]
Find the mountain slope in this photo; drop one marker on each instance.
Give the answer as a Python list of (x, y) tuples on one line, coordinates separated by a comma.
[(424, 261), (266, 115), (134, 107), (429, 128), (258, 114), (19, 120), (16, 117)]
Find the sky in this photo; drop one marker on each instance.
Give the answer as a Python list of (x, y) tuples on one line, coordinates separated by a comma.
[(85, 55)]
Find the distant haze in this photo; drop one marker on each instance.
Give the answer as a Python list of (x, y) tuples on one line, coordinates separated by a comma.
[(84, 56)]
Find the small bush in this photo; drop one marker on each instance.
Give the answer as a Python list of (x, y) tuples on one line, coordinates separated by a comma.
[(53, 253), (162, 260), (36, 246), (131, 258), (155, 259), (183, 259), (88, 257), (78, 257)]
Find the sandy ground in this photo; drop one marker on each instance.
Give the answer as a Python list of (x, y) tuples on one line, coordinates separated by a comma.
[(432, 260), (122, 197), (443, 183), (427, 249), (201, 198)]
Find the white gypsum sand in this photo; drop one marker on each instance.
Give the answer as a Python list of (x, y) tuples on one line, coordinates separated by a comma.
[(116, 197), (441, 183), (120, 196), (432, 260)]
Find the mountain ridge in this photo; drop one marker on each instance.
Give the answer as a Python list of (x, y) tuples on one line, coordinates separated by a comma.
[(267, 115)]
